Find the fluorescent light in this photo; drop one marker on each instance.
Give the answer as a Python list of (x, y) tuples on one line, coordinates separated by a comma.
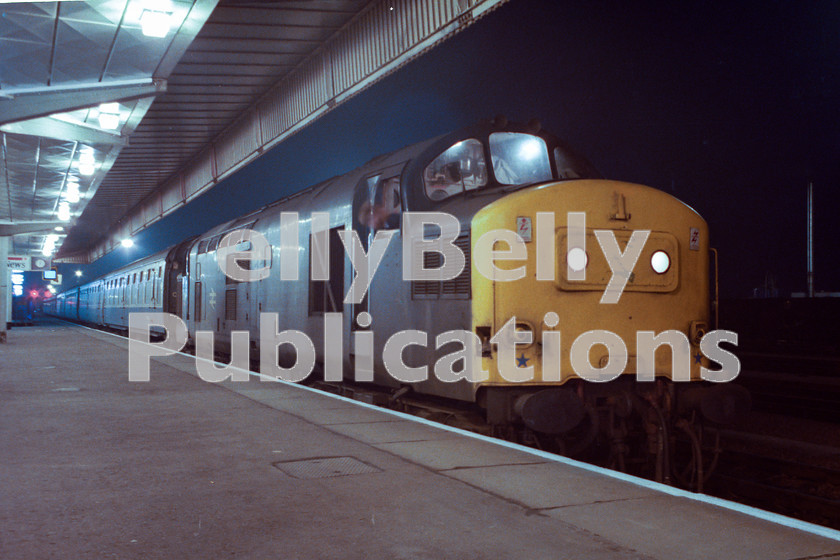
[(127, 243), (109, 116), (72, 195), (59, 228), (109, 121), (63, 211), (154, 23), (87, 162)]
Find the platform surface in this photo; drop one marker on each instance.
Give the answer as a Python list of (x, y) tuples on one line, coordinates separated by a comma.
[(94, 466)]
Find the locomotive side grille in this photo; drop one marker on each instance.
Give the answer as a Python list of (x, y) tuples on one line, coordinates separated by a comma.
[(457, 288), (230, 305)]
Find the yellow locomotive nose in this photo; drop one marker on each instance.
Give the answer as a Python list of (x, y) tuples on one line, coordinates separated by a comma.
[(589, 256)]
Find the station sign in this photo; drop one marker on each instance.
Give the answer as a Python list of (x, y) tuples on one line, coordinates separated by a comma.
[(18, 262), (25, 263)]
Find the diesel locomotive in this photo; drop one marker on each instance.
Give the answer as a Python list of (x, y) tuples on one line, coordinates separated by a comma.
[(568, 229)]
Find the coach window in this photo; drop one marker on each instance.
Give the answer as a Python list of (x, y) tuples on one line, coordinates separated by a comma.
[(460, 168)]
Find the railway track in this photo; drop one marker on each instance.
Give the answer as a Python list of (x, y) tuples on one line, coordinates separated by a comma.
[(793, 488), (803, 395)]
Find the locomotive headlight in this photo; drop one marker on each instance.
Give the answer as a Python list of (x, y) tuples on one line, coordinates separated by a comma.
[(577, 259), (660, 262)]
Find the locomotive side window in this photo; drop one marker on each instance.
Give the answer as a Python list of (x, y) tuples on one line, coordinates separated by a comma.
[(519, 159), (460, 168), (381, 207)]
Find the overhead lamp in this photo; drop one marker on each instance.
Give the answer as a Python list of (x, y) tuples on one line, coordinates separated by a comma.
[(109, 116), (127, 243), (63, 211), (59, 228), (72, 194), (155, 23), (87, 163), (78, 273)]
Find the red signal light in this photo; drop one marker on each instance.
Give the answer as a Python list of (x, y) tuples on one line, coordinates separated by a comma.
[(34, 293)]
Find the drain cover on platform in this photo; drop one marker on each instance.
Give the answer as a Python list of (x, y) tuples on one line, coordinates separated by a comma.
[(322, 467)]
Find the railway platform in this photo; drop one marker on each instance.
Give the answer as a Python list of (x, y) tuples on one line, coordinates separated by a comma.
[(95, 466)]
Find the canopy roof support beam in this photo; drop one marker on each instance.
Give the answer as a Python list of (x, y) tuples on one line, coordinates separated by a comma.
[(31, 103), (65, 129)]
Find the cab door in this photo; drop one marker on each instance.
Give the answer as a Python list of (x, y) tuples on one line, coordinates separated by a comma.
[(378, 206)]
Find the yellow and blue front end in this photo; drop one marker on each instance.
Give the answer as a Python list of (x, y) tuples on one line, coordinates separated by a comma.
[(667, 289)]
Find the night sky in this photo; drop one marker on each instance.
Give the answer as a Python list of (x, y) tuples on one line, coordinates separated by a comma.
[(732, 108)]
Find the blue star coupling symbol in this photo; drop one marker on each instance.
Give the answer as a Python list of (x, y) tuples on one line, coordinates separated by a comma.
[(698, 357), (522, 361)]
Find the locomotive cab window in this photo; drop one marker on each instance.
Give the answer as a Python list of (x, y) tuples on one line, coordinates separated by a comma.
[(519, 159), (569, 165), (378, 203), (458, 169)]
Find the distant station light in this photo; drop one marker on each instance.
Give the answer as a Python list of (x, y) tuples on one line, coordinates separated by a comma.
[(78, 273), (63, 211)]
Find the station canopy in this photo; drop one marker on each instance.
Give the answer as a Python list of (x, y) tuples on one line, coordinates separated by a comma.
[(114, 113)]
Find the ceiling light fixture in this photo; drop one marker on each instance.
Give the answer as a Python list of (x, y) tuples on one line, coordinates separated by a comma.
[(87, 163), (155, 23), (127, 243), (109, 116), (63, 211), (72, 194)]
